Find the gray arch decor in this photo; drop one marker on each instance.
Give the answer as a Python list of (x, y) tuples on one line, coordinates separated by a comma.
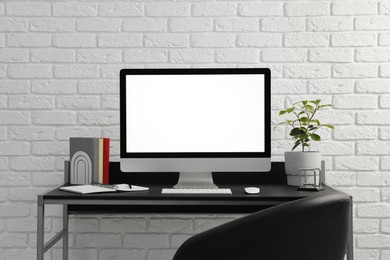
[(80, 168)]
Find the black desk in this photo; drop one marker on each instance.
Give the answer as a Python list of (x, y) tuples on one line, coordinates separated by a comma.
[(153, 201)]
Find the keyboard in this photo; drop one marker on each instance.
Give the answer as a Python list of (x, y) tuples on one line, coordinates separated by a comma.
[(196, 191)]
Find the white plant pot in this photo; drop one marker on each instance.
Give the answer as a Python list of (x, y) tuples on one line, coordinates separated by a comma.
[(294, 161)]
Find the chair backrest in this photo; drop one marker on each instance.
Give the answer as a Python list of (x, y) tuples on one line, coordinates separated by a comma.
[(311, 228)]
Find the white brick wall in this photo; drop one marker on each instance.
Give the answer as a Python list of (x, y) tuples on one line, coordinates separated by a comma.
[(59, 64)]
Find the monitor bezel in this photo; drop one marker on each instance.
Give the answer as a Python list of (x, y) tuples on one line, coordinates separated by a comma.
[(186, 71)]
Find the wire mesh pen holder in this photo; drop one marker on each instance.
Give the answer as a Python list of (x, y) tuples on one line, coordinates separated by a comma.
[(304, 182)]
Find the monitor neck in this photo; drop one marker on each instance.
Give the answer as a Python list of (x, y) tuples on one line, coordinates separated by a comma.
[(200, 180)]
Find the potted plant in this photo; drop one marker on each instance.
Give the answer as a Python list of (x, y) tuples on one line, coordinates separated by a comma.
[(304, 130)]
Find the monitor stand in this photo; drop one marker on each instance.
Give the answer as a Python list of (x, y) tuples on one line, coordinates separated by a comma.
[(197, 180)]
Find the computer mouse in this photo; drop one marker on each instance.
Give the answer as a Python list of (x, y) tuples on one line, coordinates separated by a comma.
[(252, 190)]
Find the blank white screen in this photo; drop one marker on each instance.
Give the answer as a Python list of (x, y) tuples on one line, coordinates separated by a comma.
[(195, 113)]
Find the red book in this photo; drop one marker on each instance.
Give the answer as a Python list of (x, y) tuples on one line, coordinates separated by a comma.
[(106, 160)]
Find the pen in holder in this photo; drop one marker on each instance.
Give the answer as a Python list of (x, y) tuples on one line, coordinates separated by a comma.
[(305, 184)]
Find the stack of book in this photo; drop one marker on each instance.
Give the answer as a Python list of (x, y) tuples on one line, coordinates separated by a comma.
[(89, 160)]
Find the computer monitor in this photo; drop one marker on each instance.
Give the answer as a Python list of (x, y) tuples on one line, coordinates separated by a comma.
[(195, 121)]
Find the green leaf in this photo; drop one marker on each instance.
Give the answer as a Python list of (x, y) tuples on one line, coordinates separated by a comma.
[(328, 126), (304, 119), (317, 121), (296, 145), (315, 137), (317, 101), (304, 102), (291, 109), (303, 137), (327, 105), (282, 112), (309, 107), (296, 132)]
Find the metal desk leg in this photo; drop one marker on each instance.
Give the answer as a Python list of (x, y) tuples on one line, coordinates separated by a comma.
[(350, 235), (65, 237), (40, 229)]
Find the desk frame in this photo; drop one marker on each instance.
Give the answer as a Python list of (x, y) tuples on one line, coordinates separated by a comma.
[(230, 205), (63, 234)]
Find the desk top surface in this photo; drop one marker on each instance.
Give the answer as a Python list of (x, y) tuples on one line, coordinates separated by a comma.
[(153, 201), (267, 192)]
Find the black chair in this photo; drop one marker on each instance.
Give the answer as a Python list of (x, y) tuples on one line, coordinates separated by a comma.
[(314, 228)]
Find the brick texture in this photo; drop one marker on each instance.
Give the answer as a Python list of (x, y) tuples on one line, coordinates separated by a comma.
[(59, 65)]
